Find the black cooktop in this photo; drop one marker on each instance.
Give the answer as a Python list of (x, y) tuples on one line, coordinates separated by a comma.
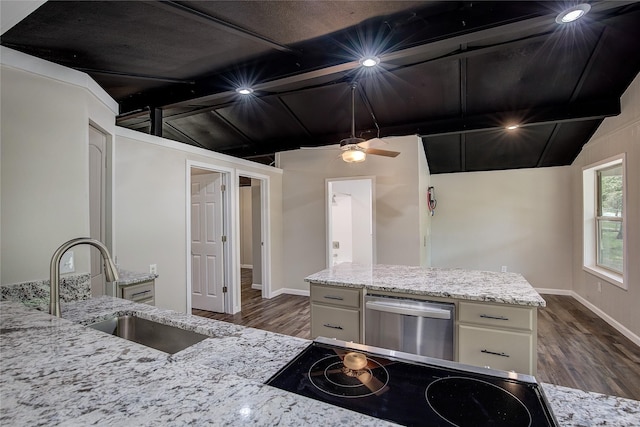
[(408, 391)]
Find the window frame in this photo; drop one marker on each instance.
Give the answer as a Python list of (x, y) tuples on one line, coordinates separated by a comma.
[(592, 217)]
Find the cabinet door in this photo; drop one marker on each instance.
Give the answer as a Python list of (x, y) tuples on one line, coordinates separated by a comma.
[(141, 292), (335, 322), (497, 349), (500, 316), (337, 296)]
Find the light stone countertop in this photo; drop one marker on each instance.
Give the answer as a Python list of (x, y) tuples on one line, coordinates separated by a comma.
[(54, 371), (128, 277), (486, 286), (57, 372)]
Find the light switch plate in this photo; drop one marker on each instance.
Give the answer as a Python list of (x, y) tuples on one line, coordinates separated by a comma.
[(67, 263)]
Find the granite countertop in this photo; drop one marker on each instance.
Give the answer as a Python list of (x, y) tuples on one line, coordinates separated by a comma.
[(55, 371), (486, 286), (128, 278)]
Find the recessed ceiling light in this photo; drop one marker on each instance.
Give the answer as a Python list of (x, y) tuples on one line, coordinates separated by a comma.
[(244, 90), (369, 61), (512, 127), (573, 13)]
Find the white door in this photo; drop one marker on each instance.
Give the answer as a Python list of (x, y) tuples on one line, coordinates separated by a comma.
[(207, 266), (97, 174)]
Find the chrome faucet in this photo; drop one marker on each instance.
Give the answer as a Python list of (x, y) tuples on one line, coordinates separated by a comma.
[(110, 271)]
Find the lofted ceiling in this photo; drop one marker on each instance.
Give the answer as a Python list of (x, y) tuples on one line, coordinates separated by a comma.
[(455, 73)]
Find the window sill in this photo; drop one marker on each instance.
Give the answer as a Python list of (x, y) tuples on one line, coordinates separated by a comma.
[(609, 276)]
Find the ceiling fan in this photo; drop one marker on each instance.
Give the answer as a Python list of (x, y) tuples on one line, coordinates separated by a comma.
[(355, 149)]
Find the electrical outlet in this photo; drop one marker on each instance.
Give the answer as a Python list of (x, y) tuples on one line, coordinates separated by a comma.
[(599, 287), (153, 268), (503, 269)]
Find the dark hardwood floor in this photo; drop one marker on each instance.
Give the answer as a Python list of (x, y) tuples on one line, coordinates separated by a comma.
[(575, 347), (578, 349), (285, 314)]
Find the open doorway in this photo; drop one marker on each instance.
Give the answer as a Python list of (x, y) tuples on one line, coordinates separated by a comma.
[(255, 242), (229, 214), (350, 221), (251, 242)]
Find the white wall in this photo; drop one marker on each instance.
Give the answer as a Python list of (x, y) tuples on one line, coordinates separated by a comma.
[(150, 209), (616, 135), (45, 116), (46, 110), (516, 218), (398, 215), (14, 11)]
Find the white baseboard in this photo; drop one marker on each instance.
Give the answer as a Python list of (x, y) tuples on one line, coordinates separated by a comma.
[(550, 291), (604, 316), (246, 266), (610, 320), (257, 286), (290, 291)]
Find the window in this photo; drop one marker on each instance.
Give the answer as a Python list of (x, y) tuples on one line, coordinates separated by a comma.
[(604, 238), (609, 219)]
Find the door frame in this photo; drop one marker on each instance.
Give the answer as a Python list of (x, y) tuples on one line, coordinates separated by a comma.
[(265, 236), (328, 221), (229, 211), (104, 188)]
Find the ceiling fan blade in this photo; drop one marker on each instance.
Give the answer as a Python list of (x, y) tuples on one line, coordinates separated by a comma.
[(370, 143), (377, 152)]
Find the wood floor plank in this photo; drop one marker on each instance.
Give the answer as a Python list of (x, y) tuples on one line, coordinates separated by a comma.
[(575, 347)]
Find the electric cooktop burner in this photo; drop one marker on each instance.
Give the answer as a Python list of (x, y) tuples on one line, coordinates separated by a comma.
[(457, 399), (334, 376), (413, 390)]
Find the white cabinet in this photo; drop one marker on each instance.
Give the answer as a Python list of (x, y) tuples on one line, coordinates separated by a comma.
[(336, 313), (498, 336), (143, 292)]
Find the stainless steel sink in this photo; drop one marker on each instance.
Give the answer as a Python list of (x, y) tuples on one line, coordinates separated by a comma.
[(147, 332)]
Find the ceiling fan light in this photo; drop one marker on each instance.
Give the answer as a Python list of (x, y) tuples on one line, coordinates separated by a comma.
[(369, 61), (573, 13), (354, 156)]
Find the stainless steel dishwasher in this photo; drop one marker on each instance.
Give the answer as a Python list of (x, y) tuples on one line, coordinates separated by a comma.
[(412, 326)]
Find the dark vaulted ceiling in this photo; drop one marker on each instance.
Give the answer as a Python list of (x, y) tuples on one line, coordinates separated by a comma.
[(455, 73)]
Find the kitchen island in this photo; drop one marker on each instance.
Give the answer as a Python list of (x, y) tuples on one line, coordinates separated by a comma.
[(495, 313), (56, 371)]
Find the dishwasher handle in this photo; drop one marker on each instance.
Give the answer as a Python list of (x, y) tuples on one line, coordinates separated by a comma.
[(418, 310)]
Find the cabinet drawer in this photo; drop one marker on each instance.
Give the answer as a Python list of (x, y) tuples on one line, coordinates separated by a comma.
[(142, 292), (500, 316), (335, 322), (505, 350), (344, 297)]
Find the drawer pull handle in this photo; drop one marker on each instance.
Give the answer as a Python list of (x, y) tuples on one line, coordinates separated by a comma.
[(488, 316), (140, 293), (333, 297), (494, 353), (329, 325)]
